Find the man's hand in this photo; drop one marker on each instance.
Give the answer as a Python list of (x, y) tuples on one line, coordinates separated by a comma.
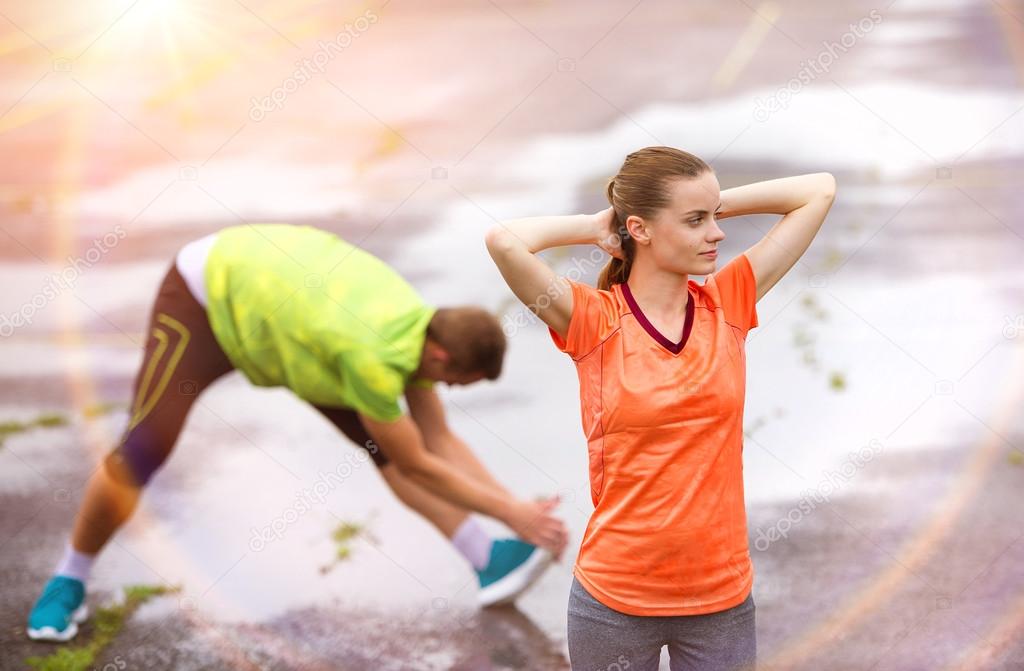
[(534, 522)]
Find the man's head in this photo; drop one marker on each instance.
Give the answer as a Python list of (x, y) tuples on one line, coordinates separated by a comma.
[(463, 345)]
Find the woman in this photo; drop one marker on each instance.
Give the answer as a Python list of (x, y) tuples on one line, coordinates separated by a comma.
[(661, 363)]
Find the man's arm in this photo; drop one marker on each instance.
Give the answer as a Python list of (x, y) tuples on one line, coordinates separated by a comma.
[(428, 412), (403, 444)]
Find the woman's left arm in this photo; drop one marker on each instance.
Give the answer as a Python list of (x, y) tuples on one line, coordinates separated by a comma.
[(804, 200)]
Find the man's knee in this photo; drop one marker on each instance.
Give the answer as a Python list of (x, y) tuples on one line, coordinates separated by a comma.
[(135, 461)]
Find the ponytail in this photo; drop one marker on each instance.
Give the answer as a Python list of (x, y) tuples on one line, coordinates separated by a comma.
[(616, 271)]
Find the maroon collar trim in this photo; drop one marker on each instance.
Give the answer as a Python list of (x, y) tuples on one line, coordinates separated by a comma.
[(674, 347)]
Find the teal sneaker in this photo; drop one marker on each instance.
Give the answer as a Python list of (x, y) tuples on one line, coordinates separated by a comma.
[(513, 567), (58, 611)]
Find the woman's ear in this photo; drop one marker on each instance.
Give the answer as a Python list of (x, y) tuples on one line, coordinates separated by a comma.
[(637, 228)]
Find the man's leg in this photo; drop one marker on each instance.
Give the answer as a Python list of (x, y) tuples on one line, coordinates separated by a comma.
[(467, 536), (181, 359), (447, 517)]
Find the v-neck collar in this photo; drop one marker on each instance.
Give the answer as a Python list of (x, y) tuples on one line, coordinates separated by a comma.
[(673, 347)]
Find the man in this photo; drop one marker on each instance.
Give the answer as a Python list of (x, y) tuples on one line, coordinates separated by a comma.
[(298, 307)]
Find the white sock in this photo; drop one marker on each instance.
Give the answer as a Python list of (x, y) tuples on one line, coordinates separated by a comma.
[(75, 564), (473, 543)]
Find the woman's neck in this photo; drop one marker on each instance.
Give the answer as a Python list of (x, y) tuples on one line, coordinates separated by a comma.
[(662, 295)]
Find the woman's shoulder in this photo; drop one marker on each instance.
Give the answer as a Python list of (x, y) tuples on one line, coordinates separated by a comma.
[(608, 303), (733, 289)]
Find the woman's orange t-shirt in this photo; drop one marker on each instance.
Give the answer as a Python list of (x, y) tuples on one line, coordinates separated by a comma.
[(664, 428)]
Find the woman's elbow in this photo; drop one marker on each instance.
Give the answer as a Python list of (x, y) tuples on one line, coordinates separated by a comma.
[(499, 241), (828, 185)]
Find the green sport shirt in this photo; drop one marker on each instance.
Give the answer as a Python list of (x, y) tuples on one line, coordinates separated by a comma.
[(298, 307)]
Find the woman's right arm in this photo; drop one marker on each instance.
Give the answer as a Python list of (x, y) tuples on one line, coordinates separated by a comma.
[(514, 245)]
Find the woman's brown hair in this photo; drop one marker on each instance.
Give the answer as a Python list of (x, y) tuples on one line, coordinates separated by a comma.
[(641, 189)]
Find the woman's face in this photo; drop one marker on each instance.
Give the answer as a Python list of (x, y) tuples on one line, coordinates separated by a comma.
[(680, 234)]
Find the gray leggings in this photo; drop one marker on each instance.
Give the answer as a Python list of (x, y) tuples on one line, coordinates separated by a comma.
[(602, 639)]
